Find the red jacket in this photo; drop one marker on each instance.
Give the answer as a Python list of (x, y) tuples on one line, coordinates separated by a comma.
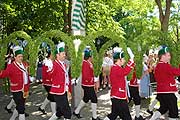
[(87, 74), (133, 81), (58, 79), (15, 74), (47, 74), (164, 75), (118, 81)]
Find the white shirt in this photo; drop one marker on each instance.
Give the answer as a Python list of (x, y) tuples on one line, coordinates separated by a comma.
[(66, 75), (25, 73), (48, 63)]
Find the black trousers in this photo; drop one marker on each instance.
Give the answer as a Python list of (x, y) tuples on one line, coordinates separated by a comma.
[(50, 97), (134, 95), (20, 101), (119, 108), (168, 102), (89, 94), (63, 107)]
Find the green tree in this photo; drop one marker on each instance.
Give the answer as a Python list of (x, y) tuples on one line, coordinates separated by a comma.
[(32, 17)]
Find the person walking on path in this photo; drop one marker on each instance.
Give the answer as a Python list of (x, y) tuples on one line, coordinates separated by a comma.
[(88, 86), (19, 82), (47, 82), (134, 94), (60, 82), (166, 85), (119, 96)]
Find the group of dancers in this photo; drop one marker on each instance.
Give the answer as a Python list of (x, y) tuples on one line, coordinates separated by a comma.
[(56, 81)]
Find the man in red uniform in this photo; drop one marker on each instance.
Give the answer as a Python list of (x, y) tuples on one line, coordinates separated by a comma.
[(88, 85), (47, 82), (134, 95), (166, 85), (60, 82), (19, 82), (118, 85)]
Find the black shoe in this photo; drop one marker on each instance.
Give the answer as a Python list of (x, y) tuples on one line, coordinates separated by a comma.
[(42, 110), (150, 112), (8, 110), (26, 114), (96, 118), (77, 115), (139, 118)]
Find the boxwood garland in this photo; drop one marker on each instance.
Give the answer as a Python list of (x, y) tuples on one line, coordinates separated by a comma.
[(69, 43), (1, 54), (47, 37), (155, 38), (12, 38), (97, 57), (85, 40), (34, 51), (114, 38), (33, 46), (77, 60)]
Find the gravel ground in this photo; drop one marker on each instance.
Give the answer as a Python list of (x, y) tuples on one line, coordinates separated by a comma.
[(38, 94)]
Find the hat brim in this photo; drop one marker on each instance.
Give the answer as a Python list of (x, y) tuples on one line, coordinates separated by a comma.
[(19, 52)]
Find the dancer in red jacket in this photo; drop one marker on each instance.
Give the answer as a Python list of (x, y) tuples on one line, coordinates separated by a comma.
[(166, 85), (19, 82), (60, 82), (118, 85), (134, 95), (88, 85), (47, 82)]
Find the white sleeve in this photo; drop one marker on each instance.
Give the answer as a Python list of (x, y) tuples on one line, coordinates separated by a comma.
[(145, 67)]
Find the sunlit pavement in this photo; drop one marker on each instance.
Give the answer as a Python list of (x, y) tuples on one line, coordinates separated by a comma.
[(38, 94)]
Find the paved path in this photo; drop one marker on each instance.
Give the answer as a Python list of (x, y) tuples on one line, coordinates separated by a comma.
[(38, 94)]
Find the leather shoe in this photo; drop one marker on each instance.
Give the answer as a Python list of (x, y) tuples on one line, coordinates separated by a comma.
[(8, 110), (150, 112), (77, 115), (139, 118), (96, 118), (42, 110), (26, 114)]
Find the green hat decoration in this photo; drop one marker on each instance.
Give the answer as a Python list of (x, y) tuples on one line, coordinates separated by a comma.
[(163, 50), (60, 48), (118, 53), (18, 50)]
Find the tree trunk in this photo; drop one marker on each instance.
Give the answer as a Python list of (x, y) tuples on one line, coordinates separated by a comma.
[(164, 17)]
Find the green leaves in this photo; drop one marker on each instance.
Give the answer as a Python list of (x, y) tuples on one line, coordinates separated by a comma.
[(100, 17)]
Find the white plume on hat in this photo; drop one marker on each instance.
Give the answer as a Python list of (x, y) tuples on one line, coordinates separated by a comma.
[(17, 48), (61, 44), (117, 49), (88, 47), (159, 48)]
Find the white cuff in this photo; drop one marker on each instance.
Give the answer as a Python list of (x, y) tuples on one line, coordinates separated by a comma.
[(96, 79)]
